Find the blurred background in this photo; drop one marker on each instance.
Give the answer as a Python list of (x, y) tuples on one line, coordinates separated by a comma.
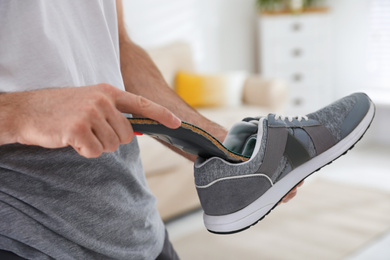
[(236, 58)]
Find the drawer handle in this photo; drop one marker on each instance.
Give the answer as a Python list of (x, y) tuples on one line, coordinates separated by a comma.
[(297, 52), (296, 27), (297, 77), (298, 102)]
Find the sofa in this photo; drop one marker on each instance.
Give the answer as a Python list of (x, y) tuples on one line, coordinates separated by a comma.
[(170, 176)]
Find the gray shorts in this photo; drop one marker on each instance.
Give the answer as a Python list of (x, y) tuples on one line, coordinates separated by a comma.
[(168, 252)]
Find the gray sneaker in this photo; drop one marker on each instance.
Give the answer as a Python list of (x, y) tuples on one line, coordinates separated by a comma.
[(283, 151)]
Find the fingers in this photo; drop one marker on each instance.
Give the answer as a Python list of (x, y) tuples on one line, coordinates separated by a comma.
[(107, 137), (120, 126), (100, 139), (111, 129), (103, 127), (291, 194), (129, 103), (98, 126), (85, 142)]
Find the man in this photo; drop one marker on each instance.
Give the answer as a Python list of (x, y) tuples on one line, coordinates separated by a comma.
[(71, 180)]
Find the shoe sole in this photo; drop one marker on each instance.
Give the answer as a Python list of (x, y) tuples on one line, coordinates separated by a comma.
[(257, 210)]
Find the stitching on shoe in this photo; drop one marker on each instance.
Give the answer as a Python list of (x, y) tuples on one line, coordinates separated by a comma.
[(235, 177)]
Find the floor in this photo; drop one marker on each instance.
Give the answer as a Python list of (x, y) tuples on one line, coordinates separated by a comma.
[(366, 165), (366, 158)]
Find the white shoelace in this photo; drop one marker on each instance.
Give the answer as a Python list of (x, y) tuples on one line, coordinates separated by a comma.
[(290, 118)]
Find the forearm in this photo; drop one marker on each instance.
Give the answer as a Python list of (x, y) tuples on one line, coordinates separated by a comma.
[(142, 77), (60, 117), (7, 116)]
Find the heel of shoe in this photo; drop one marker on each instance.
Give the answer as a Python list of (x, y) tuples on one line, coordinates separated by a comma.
[(228, 195)]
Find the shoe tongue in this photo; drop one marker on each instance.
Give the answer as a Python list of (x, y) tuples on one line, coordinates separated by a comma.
[(241, 138)]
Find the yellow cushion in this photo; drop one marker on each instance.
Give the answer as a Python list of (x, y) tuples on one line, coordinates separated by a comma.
[(209, 90)]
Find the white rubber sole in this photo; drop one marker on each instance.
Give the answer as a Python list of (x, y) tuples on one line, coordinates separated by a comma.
[(255, 211)]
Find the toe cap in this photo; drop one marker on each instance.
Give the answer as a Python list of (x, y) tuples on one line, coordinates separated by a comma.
[(356, 113), (342, 116)]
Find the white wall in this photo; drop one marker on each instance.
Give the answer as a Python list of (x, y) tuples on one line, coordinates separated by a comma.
[(361, 61), (349, 28), (152, 24), (237, 35), (221, 32)]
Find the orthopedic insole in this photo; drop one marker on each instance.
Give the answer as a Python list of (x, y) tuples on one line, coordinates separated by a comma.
[(188, 138)]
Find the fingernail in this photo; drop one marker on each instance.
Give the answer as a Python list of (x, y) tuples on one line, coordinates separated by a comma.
[(176, 120), (138, 133)]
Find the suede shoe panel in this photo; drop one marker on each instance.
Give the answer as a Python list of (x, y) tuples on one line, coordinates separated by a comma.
[(230, 195), (321, 137), (207, 171), (276, 144)]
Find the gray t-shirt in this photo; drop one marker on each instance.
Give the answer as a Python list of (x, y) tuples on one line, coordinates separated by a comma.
[(53, 202)]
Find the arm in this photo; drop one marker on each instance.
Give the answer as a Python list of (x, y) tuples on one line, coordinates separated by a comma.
[(142, 77), (7, 125), (87, 118)]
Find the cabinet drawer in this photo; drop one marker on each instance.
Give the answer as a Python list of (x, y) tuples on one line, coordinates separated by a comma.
[(294, 26), (296, 48), (301, 74), (303, 99), (307, 74), (303, 50), (307, 86)]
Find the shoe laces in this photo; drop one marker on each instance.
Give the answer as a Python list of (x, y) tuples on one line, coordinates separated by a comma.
[(291, 118)]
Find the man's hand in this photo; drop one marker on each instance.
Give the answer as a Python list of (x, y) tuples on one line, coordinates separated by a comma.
[(87, 118), (291, 194)]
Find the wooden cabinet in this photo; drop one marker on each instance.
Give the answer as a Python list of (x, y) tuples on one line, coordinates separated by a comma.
[(296, 48)]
